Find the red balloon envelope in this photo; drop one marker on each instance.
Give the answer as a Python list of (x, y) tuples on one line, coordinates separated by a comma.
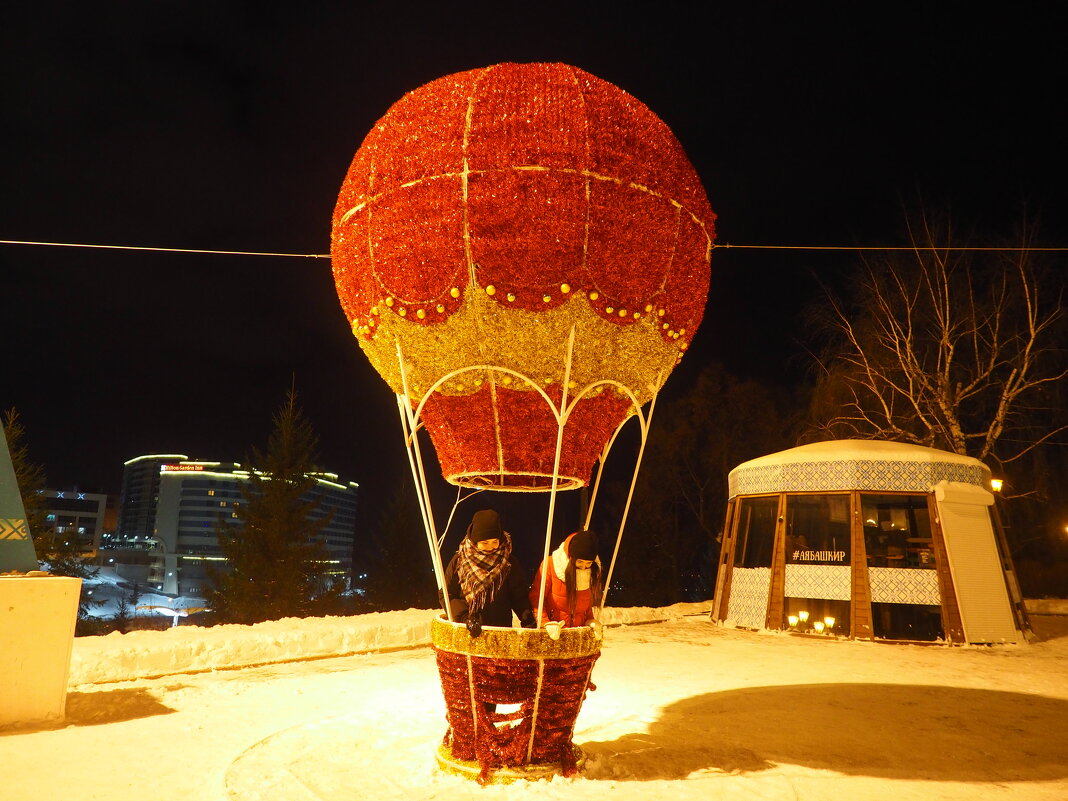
[(488, 214)]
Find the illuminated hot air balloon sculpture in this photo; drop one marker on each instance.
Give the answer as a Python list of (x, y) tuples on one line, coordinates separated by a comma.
[(523, 254)]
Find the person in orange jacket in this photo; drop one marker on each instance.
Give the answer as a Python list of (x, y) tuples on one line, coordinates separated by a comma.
[(573, 587)]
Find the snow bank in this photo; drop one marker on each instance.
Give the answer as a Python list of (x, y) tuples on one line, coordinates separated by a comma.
[(189, 649), (1047, 606)]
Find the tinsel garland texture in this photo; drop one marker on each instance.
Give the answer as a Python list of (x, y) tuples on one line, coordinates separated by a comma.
[(488, 214), (504, 668), (503, 739)]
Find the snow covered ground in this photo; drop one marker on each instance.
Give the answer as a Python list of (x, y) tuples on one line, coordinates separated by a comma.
[(106, 588), (683, 709)]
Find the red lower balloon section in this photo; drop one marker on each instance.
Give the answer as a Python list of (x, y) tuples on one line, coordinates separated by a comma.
[(505, 439)]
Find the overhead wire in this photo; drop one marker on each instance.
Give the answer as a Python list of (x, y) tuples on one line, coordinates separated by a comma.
[(909, 248), (715, 246), (166, 250)]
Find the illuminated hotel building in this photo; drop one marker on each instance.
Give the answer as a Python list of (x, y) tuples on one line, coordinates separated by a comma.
[(140, 495), (171, 506)]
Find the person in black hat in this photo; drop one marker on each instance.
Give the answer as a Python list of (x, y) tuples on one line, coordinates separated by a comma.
[(573, 587), (484, 580)]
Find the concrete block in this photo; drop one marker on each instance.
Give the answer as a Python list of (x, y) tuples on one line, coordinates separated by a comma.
[(37, 617)]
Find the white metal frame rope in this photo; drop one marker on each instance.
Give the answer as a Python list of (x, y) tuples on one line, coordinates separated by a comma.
[(411, 424)]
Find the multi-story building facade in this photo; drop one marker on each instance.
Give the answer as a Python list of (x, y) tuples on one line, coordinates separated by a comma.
[(75, 515), (140, 496), (168, 538)]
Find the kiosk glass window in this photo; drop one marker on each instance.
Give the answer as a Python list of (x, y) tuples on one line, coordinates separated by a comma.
[(818, 564), (897, 531), (756, 531), (901, 561), (817, 529)]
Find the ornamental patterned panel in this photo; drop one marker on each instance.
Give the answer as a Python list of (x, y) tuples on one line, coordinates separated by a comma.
[(891, 475), (831, 582), (748, 605), (900, 585), (13, 529)]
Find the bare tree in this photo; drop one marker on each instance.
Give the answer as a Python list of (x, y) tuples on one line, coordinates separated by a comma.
[(949, 347), (672, 534)]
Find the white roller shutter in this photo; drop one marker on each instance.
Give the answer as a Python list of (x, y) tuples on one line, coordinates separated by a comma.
[(974, 563)]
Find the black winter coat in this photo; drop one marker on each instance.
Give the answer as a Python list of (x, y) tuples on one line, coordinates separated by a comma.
[(511, 597)]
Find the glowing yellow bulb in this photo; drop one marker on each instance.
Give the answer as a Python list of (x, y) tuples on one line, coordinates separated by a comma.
[(660, 312), (609, 309), (565, 288), (546, 298), (389, 301), (440, 309), (420, 314), (455, 292), (402, 312), (594, 296), (622, 312), (491, 290), (511, 297)]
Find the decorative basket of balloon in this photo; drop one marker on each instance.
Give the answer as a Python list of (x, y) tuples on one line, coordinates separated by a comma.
[(522, 252), (512, 697)]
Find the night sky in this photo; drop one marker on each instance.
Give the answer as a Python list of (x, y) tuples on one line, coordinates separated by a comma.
[(231, 125)]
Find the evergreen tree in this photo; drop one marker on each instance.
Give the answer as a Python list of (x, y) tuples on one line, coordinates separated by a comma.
[(277, 561), (126, 609), (63, 553), (401, 573), (123, 613), (29, 476)]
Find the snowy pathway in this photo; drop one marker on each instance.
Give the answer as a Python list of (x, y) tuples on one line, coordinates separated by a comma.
[(683, 710)]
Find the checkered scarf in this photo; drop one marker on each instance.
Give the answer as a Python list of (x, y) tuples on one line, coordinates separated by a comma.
[(482, 574)]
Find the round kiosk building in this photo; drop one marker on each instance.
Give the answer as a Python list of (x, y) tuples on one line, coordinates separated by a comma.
[(870, 540)]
